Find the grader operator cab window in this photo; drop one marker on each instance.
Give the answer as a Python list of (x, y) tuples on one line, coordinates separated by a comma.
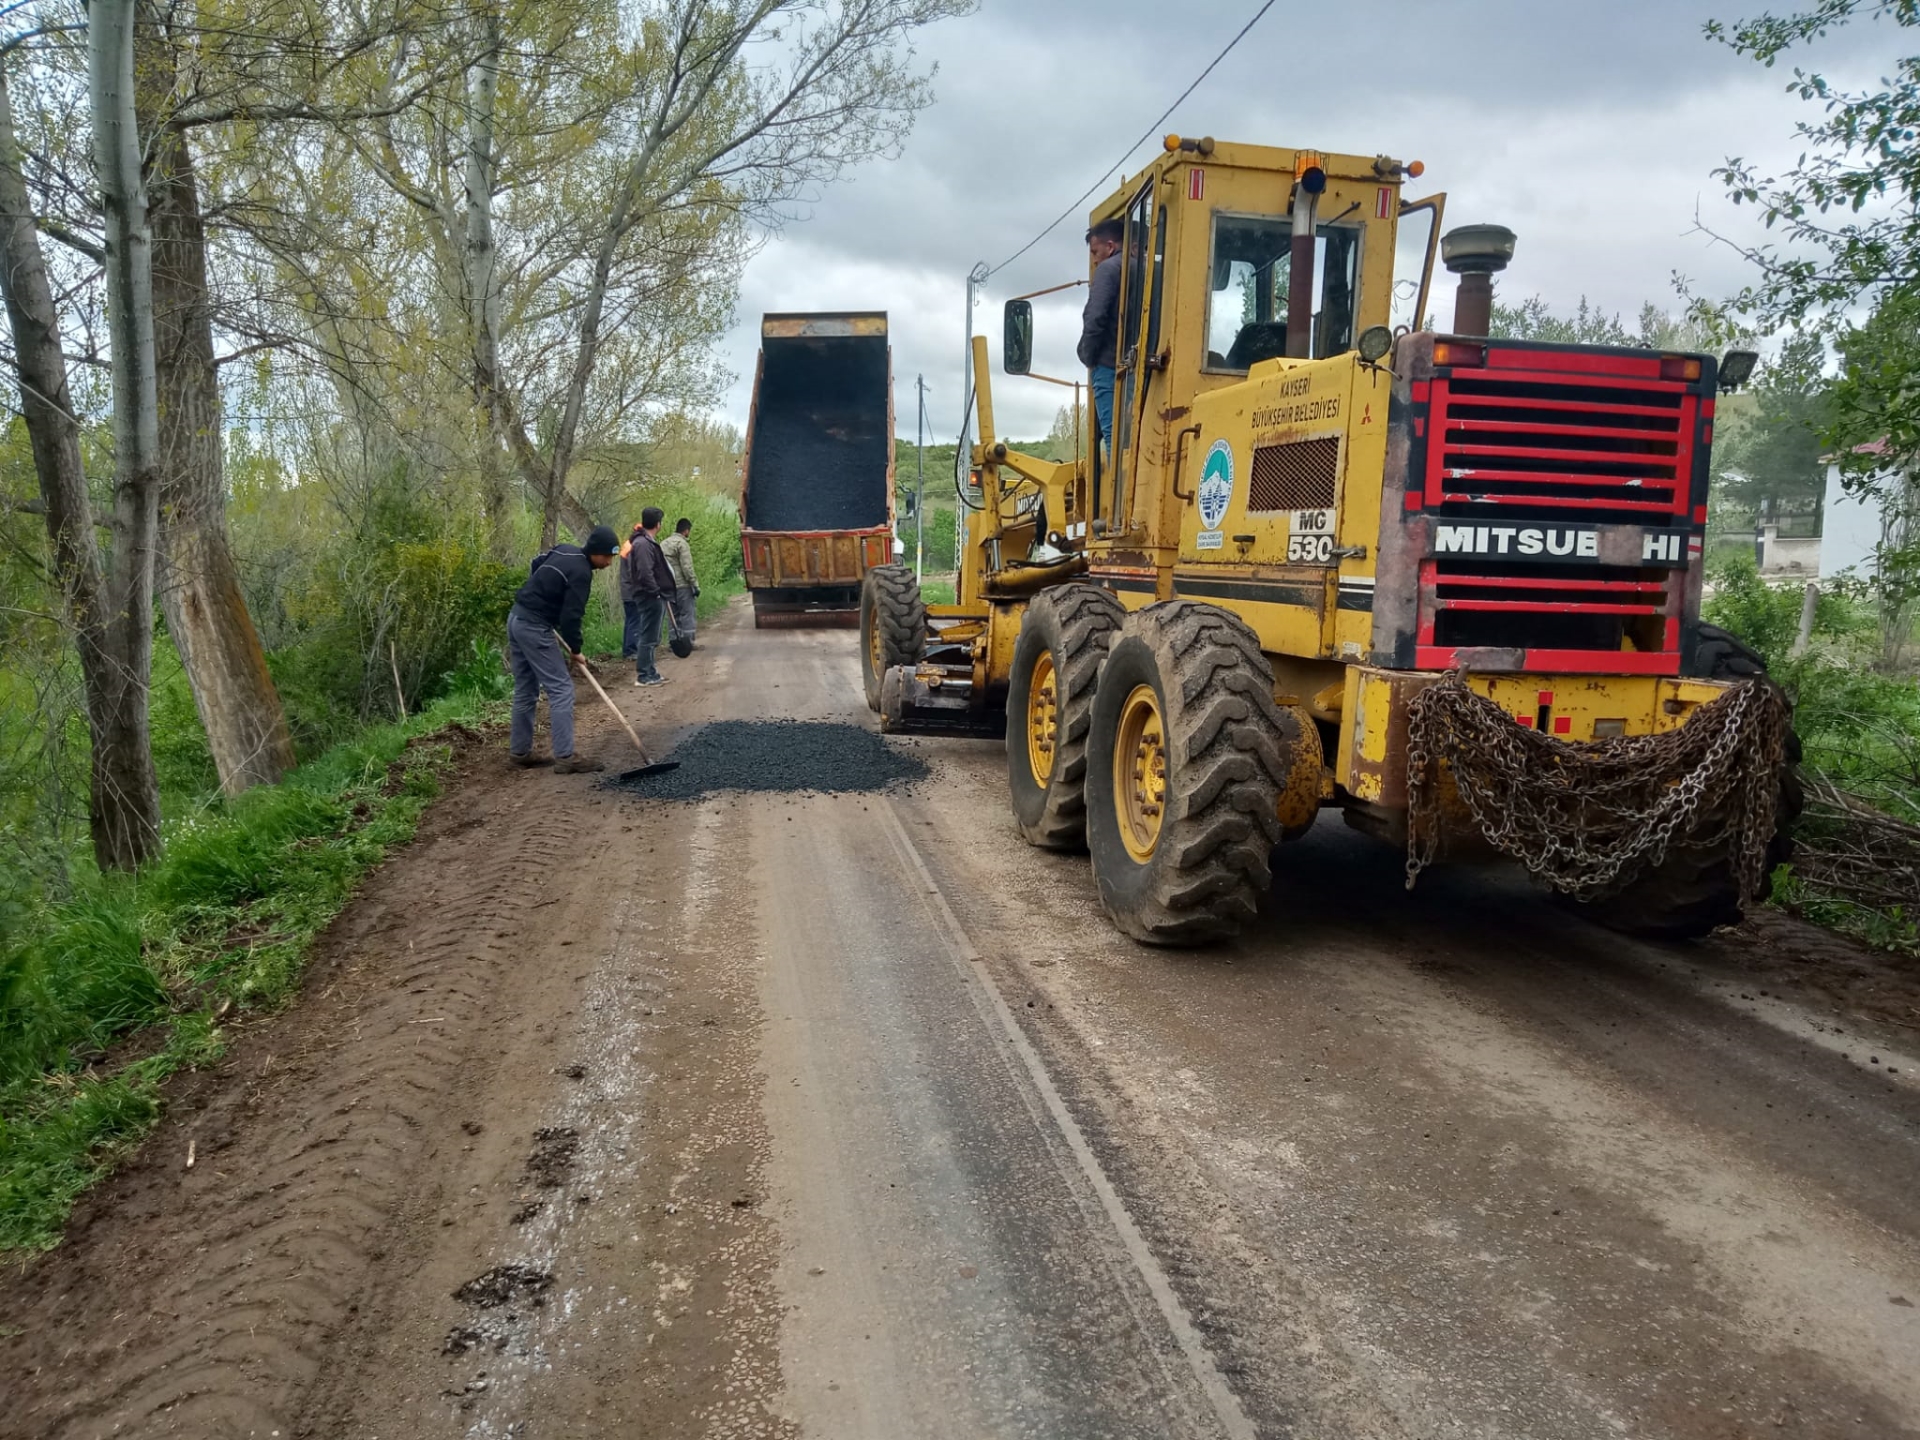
[(1247, 307)]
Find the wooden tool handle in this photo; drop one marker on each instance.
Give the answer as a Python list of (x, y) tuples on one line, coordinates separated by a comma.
[(607, 700)]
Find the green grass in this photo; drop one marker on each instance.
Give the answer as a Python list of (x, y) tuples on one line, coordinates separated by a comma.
[(106, 993), (937, 589)]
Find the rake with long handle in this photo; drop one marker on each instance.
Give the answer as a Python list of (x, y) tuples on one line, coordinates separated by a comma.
[(648, 766)]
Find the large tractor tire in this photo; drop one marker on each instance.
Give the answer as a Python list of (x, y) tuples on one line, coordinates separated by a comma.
[(1693, 890), (1186, 761), (893, 625), (1063, 639)]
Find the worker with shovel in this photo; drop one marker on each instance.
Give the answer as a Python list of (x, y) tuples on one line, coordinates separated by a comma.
[(546, 613)]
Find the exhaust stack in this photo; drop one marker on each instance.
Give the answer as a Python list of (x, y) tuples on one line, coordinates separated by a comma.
[(1476, 253), (1309, 181)]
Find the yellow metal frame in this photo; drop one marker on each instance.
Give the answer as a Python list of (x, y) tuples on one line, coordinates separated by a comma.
[(1139, 528)]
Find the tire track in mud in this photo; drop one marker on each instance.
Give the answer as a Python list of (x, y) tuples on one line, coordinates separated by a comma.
[(645, 1179), (225, 1318)]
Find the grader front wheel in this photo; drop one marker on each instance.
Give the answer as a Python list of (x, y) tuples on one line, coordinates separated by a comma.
[(1190, 757), (893, 625), (1063, 639)]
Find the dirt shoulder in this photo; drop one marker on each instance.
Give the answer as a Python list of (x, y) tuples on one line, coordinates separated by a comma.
[(494, 1031)]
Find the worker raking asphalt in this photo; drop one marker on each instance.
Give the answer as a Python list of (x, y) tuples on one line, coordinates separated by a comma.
[(824, 757)]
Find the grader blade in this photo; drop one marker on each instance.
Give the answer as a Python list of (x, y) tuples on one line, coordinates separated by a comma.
[(927, 700)]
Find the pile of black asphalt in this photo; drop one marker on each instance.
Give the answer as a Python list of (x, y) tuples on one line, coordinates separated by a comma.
[(819, 469), (779, 756)]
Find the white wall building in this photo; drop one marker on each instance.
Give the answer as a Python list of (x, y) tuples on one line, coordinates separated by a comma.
[(1856, 525)]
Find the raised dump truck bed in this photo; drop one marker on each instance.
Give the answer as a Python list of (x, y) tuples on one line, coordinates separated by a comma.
[(816, 479)]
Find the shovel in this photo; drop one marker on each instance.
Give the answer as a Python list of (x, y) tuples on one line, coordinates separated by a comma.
[(647, 766)]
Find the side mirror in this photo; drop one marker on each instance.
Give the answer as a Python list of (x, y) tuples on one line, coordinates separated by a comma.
[(1016, 340)]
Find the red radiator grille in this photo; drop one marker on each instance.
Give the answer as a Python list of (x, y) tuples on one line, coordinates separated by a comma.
[(1579, 615), (1567, 437), (1609, 447)]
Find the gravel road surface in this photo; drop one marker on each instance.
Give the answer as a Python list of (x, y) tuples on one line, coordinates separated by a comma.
[(790, 1113)]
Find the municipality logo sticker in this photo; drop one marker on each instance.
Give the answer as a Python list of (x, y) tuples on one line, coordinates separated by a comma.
[(1216, 485)]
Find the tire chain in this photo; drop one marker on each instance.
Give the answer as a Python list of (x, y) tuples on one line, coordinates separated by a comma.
[(1588, 816)]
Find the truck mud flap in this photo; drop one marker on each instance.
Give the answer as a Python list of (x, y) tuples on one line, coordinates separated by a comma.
[(831, 608)]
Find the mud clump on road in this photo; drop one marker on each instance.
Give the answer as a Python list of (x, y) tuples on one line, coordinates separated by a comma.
[(503, 1285), (550, 1163), (790, 756), (462, 1338)]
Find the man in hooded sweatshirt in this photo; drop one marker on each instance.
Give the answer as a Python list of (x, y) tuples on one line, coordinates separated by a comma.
[(554, 598)]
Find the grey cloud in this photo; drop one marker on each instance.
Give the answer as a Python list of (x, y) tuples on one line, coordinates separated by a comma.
[(1591, 129)]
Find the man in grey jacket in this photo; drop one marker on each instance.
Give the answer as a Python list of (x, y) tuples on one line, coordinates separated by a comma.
[(1100, 321), (686, 589)]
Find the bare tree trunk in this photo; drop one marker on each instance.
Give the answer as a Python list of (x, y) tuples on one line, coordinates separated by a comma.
[(121, 835), (481, 281), (200, 590), (480, 277), (126, 797), (588, 353)]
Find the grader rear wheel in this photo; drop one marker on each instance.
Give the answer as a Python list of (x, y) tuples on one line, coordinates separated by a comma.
[(1056, 661), (1693, 891), (893, 625), (1188, 759)]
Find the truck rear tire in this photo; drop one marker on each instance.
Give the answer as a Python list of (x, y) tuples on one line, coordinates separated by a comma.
[(893, 625), (1056, 662), (1186, 760)]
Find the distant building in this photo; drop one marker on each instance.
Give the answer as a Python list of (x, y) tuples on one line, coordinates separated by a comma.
[(1786, 540), (1857, 526)]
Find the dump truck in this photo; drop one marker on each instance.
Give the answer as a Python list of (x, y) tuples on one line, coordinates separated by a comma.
[(1447, 583), (816, 475)]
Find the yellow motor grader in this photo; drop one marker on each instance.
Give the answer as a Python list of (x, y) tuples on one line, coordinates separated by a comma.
[(1448, 583)]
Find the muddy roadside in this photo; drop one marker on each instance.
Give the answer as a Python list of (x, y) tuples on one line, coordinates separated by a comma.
[(384, 1172)]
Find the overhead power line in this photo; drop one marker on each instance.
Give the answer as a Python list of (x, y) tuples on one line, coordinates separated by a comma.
[(1148, 134)]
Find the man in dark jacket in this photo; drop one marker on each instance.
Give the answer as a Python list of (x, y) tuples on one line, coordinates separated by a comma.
[(554, 598), (649, 579), (1100, 321), (629, 607)]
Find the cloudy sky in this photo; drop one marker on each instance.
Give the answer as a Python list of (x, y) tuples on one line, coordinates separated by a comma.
[(1591, 127)]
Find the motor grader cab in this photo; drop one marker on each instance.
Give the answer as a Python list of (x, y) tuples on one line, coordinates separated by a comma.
[(1447, 583)]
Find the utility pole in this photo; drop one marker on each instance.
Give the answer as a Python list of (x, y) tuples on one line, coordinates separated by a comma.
[(920, 483), (975, 279)]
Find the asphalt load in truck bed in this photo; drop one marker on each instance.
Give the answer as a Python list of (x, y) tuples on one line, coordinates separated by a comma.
[(817, 457), (780, 755)]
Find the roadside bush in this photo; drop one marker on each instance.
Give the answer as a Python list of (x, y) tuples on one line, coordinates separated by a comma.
[(79, 980), (1767, 616), (404, 594), (1856, 866), (941, 528)]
